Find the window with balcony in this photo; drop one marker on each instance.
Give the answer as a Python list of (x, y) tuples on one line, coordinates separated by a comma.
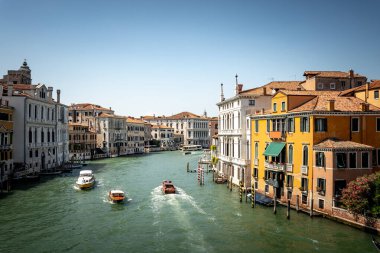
[(320, 125), (304, 124), (355, 124), (319, 159), (352, 157), (341, 160), (365, 159)]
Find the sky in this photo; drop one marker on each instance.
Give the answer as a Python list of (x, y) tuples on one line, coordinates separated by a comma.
[(145, 57)]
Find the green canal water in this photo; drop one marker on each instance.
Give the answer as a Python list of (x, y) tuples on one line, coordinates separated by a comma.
[(53, 216)]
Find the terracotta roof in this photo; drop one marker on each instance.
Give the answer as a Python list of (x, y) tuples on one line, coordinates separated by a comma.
[(309, 93), (275, 85), (340, 144), (105, 115), (337, 74), (88, 106), (183, 115), (134, 120), (375, 84), (78, 124), (161, 127), (341, 104)]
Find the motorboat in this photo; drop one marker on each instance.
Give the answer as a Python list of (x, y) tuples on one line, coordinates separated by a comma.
[(116, 196), (168, 187), (191, 148), (86, 179)]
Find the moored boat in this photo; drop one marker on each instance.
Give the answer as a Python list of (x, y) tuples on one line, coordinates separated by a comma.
[(86, 179), (168, 187), (116, 196)]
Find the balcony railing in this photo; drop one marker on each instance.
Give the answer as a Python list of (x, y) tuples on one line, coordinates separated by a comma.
[(274, 166), (276, 135), (289, 167), (5, 146), (304, 169)]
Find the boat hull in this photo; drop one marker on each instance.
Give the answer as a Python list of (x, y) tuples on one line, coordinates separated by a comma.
[(86, 185)]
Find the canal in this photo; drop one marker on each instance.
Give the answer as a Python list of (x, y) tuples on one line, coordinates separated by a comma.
[(53, 216)]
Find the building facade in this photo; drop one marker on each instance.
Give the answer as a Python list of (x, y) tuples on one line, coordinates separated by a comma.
[(6, 147), (135, 136), (82, 142), (165, 135), (302, 147)]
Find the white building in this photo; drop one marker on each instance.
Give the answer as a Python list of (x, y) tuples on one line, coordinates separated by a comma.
[(165, 135), (194, 128), (40, 127), (234, 144)]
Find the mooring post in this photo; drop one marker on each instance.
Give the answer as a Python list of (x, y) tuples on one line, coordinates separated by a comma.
[(188, 166), (275, 201), (311, 208), (298, 203), (241, 191), (288, 210), (231, 184)]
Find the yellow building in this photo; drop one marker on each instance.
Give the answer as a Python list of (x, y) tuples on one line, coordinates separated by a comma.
[(369, 92), (6, 140), (306, 133)]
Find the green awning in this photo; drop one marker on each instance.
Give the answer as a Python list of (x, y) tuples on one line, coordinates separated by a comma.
[(274, 148)]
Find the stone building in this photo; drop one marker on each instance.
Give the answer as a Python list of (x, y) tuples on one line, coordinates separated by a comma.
[(82, 142), (165, 135), (6, 141), (135, 135)]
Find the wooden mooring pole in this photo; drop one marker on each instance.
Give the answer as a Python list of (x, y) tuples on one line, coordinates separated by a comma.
[(241, 191), (253, 198), (298, 203), (288, 210), (275, 201)]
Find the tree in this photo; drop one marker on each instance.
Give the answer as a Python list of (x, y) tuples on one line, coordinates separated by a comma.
[(362, 196)]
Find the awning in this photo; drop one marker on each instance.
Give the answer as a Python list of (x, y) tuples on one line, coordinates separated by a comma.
[(274, 148)]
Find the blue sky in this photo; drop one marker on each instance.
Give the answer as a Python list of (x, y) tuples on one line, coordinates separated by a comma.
[(166, 56)]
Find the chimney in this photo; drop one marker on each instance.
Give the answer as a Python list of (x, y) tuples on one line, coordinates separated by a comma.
[(58, 96), (50, 92), (264, 91), (331, 105), (10, 90), (239, 88), (221, 93), (366, 91), (351, 72), (262, 110), (364, 107)]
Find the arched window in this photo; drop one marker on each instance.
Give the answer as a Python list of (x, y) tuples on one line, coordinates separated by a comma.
[(290, 154), (305, 156)]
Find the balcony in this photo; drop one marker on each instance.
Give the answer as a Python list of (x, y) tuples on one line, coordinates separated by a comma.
[(289, 167), (5, 146), (274, 166), (304, 169)]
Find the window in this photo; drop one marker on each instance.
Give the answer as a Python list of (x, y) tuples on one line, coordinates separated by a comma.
[(304, 199), (365, 159), (275, 107), (283, 106), (289, 181), (268, 125), (304, 124), (36, 153), (255, 172), (256, 150), (352, 157), (291, 125), (305, 156), (376, 94), (30, 136), (332, 86), (304, 184), (321, 204), (290, 154), (256, 185), (30, 110), (359, 83), (256, 126), (341, 160), (321, 125), (321, 184), (343, 83), (319, 159), (252, 102), (30, 153), (266, 188), (378, 156), (378, 124), (355, 124), (320, 86)]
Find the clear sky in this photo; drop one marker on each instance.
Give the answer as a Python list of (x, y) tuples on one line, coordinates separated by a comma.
[(166, 56)]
